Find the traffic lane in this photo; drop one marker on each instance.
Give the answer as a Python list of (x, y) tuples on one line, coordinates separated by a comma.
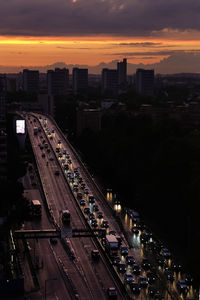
[(52, 282), (83, 256), (73, 272), (98, 284), (90, 274)]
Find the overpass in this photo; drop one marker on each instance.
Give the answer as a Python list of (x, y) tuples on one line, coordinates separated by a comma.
[(55, 233)]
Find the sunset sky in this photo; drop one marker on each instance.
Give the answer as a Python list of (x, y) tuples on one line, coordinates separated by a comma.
[(40, 32)]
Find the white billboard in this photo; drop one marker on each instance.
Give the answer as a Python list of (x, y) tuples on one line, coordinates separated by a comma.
[(20, 126)]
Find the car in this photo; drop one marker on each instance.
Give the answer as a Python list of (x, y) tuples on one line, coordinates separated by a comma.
[(95, 207), (188, 279), (105, 224), (53, 241), (100, 215), (144, 238), (103, 241), (152, 291), (76, 174), (41, 147), (170, 275), (59, 141), (124, 250), (91, 216), (57, 150), (46, 145), (146, 264), (75, 187), (176, 266), (112, 292), (43, 155), (151, 277), (112, 232), (82, 202), (165, 252), (136, 269), (67, 156), (143, 282), (160, 260), (82, 186), (117, 201), (135, 230), (71, 179), (66, 167), (69, 174), (135, 288), (116, 260), (79, 195), (182, 286), (86, 191), (95, 254), (59, 155), (128, 278), (69, 161), (118, 237), (91, 199), (130, 260), (121, 267), (87, 210), (80, 179), (94, 223)]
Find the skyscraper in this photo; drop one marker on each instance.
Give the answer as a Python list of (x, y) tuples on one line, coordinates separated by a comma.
[(31, 81), (122, 73), (80, 80), (57, 81), (145, 82), (109, 79)]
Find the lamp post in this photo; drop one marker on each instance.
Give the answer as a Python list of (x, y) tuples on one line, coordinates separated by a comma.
[(45, 284)]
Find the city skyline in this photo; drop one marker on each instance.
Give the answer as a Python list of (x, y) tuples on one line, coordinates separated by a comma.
[(91, 32)]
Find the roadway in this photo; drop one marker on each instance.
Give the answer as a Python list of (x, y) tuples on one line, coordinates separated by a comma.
[(90, 279)]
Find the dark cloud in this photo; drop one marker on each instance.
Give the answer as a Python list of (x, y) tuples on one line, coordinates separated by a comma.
[(93, 17), (145, 44), (158, 53)]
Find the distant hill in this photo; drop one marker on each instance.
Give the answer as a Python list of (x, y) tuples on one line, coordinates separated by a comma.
[(175, 63)]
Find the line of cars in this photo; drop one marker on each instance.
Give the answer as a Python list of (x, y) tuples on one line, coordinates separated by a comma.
[(165, 264), (95, 219), (134, 281)]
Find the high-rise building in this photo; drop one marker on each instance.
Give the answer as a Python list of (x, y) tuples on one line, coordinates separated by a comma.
[(109, 81), (122, 73), (57, 81), (3, 133), (145, 82), (31, 81), (80, 80)]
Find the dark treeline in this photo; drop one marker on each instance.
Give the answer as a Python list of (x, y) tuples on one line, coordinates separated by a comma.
[(154, 166)]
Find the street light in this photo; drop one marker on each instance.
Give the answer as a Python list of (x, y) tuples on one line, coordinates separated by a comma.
[(45, 283)]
